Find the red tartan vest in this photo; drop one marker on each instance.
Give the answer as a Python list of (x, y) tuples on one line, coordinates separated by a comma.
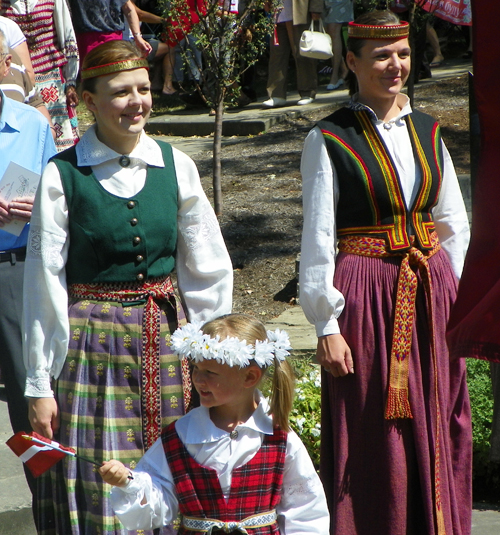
[(255, 487)]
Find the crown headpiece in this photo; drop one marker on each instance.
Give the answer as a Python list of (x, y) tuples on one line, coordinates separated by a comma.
[(370, 31), (190, 342), (117, 66)]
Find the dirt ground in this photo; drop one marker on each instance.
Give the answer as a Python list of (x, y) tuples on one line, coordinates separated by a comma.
[(262, 211)]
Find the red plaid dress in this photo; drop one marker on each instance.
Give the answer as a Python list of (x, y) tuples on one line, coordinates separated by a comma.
[(255, 487)]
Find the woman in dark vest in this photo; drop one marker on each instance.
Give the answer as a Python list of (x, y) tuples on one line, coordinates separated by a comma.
[(379, 183), (112, 218)]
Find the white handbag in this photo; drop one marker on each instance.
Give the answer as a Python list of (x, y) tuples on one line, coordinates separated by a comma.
[(317, 45)]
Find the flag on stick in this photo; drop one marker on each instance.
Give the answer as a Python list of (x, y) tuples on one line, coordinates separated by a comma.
[(39, 453)]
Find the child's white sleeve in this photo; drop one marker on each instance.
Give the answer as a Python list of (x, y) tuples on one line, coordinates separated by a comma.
[(152, 484), (303, 507)]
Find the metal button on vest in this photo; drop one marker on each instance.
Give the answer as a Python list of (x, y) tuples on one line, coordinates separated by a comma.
[(131, 204), (139, 276), (134, 221), (137, 240), (139, 258)]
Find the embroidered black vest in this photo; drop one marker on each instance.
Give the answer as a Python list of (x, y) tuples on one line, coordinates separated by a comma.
[(117, 239), (371, 197)]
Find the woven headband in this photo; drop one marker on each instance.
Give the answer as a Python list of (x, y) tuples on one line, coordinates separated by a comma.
[(368, 31), (190, 342), (117, 66)]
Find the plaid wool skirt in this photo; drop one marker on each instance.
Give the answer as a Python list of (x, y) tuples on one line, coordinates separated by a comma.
[(105, 393)]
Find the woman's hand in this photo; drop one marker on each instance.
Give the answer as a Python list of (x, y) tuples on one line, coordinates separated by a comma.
[(71, 96), (20, 208), (142, 45), (114, 473), (334, 355), (44, 416)]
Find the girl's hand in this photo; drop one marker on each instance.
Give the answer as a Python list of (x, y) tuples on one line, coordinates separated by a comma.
[(334, 355), (114, 473), (44, 416)]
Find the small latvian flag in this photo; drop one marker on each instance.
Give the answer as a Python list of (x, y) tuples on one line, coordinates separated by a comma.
[(37, 452)]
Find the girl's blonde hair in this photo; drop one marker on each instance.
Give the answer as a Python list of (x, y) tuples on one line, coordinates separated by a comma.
[(250, 329)]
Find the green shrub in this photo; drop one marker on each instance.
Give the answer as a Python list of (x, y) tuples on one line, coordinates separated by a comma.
[(486, 474)]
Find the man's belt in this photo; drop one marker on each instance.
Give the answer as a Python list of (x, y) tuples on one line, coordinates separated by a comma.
[(208, 525), (13, 256)]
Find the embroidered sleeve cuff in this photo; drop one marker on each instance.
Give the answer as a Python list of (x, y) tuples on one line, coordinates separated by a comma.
[(324, 328), (38, 387)]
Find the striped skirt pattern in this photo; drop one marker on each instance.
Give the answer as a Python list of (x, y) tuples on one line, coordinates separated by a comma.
[(99, 397)]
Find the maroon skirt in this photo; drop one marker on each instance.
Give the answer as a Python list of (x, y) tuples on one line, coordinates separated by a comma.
[(379, 475)]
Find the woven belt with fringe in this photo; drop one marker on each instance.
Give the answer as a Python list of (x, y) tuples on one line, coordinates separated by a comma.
[(207, 525), (153, 292), (398, 405)]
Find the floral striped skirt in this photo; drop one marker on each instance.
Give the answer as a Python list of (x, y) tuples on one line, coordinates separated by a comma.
[(103, 394), (51, 86)]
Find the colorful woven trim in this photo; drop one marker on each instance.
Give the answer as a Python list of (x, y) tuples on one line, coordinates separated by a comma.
[(117, 66), (398, 405), (207, 525), (367, 31), (153, 292)]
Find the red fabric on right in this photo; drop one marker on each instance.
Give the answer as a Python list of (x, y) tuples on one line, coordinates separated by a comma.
[(474, 326)]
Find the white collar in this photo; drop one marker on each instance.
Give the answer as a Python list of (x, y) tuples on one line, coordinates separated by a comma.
[(402, 101), (196, 427), (91, 151)]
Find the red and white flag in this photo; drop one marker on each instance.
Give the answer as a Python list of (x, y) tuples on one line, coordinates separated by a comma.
[(37, 452)]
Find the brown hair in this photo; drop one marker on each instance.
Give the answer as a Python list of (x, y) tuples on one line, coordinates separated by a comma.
[(108, 52), (250, 329), (354, 45)]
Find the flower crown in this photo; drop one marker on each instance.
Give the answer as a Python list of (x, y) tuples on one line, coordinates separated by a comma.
[(190, 342)]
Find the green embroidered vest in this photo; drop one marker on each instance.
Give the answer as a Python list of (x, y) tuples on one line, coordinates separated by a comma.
[(371, 197), (115, 239)]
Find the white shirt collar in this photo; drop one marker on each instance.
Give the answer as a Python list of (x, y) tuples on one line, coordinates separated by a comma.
[(196, 427), (402, 101), (91, 151)]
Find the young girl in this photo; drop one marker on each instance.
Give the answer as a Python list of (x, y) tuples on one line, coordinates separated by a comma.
[(233, 463)]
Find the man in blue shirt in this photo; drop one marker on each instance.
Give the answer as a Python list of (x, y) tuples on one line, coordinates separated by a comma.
[(26, 139)]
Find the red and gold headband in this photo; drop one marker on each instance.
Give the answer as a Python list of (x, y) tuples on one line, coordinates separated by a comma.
[(117, 66), (369, 31)]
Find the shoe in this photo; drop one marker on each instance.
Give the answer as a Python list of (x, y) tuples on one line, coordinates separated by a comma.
[(304, 101), (332, 87), (274, 102), (436, 62)]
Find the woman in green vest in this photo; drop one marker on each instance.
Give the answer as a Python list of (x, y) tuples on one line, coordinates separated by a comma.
[(379, 184), (113, 217)]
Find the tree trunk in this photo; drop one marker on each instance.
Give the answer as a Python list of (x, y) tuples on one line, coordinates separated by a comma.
[(217, 172)]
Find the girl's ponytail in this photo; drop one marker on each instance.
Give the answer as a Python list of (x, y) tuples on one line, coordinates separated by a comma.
[(282, 392)]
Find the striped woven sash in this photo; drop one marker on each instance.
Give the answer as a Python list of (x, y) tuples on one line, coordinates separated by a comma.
[(398, 405), (154, 293), (208, 525)]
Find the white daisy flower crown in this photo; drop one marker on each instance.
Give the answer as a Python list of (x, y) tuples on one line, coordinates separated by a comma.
[(190, 342)]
